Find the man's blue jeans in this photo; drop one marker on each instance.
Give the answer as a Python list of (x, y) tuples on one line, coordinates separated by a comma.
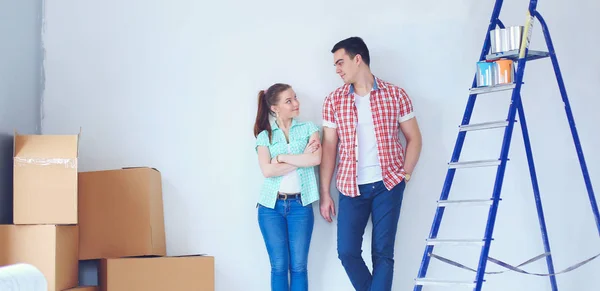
[(287, 231), (354, 214)]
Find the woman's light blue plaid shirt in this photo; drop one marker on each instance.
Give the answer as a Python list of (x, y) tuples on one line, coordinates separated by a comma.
[(299, 135)]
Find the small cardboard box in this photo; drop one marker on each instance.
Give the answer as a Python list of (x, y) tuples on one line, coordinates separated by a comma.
[(45, 179), (158, 274), (51, 249), (121, 214)]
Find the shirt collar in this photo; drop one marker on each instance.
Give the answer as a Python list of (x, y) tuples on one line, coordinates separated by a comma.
[(274, 125), (377, 84)]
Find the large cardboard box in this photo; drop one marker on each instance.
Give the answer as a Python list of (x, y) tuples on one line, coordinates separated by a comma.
[(45, 179), (51, 249), (184, 273), (121, 214)]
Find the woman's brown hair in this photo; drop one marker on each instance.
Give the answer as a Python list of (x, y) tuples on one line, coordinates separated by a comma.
[(266, 99)]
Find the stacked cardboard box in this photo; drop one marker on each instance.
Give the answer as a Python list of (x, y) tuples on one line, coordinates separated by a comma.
[(121, 224), (62, 217), (45, 231)]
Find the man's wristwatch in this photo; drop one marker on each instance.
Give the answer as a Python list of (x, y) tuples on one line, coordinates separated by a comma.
[(407, 177)]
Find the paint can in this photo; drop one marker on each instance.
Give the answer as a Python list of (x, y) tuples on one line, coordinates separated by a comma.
[(515, 36), (485, 74), (499, 40), (495, 40), (504, 71)]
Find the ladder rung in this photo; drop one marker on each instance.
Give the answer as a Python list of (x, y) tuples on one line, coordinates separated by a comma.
[(445, 203), (484, 125), (441, 282), (436, 241), (514, 55), (491, 89), (473, 164)]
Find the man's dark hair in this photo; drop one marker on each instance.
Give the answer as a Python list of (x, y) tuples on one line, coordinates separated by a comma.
[(354, 46)]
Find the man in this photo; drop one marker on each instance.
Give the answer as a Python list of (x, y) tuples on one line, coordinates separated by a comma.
[(365, 116)]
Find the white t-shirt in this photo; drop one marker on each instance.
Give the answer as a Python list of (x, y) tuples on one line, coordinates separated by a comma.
[(290, 182), (369, 168)]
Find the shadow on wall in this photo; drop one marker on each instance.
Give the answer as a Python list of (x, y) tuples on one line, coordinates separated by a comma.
[(6, 178)]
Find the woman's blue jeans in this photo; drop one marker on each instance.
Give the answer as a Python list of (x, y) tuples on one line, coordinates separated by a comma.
[(287, 231)]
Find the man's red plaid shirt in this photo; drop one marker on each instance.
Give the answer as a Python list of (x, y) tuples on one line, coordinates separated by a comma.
[(390, 105)]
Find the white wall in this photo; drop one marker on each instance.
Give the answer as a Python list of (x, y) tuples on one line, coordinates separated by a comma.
[(172, 84), (20, 90)]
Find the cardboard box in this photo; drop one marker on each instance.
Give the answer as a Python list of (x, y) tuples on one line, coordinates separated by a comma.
[(158, 274), (121, 214), (45, 179), (85, 288), (51, 249)]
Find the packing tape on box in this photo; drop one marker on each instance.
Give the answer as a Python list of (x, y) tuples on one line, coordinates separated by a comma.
[(22, 277), (68, 163)]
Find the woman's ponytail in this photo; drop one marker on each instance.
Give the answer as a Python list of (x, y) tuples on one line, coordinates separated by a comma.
[(262, 115), (266, 99)]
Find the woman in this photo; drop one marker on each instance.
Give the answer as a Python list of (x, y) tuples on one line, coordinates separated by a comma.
[(288, 150)]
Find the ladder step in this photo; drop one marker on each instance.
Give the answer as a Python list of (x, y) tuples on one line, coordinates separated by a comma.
[(473, 164), (491, 89), (437, 241), (484, 125), (441, 282), (445, 203), (514, 55)]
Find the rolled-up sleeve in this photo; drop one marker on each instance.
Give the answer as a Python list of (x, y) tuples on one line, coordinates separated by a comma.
[(329, 113), (406, 107)]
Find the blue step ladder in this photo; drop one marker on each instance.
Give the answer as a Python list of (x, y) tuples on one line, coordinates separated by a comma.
[(520, 57)]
